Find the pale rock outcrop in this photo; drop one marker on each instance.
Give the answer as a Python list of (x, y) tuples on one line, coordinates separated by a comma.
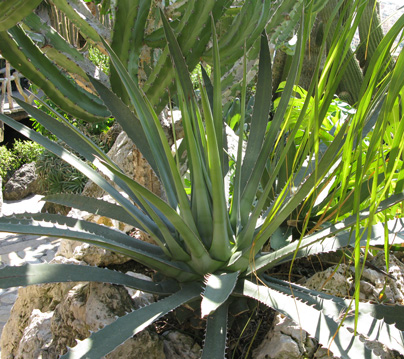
[(22, 183), (36, 335), (285, 341), (126, 155)]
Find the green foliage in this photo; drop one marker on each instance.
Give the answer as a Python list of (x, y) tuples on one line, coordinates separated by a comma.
[(57, 176), (8, 163), (99, 59), (49, 107), (26, 151), (213, 247), (21, 153)]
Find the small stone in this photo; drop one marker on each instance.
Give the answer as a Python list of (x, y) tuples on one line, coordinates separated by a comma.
[(49, 256)]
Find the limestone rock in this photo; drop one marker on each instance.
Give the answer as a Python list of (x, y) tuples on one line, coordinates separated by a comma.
[(22, 183), (47, 325), (285, 341), (44, 298), (180, 346), (126, 155), (339, 281), (89, 254), (333, 281), (55, 208), (143, 345), (36, 335), (140, 299), (86, 308)]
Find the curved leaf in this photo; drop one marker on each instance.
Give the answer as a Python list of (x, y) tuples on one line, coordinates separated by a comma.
[(95, 206), (325, 329), (218, 289), (30, 274), (102, 236), (371, 323)]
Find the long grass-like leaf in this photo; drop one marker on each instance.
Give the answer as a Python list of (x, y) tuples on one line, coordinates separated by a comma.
[(270, 260)]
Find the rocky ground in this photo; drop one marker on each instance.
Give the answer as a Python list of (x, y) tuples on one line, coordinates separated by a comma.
[(19, 249)]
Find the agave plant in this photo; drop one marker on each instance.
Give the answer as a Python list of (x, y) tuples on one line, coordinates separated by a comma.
[(210, 244)]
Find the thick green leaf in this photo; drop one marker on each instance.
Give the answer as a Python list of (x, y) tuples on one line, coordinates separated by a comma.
[(79, 142), (220, 247), (369, 323), (107, 339), (157, 140), (217, 291), (95, 206), (195, 141), (101, 236), (190, 237), (127, 41), (13, 11), (325, 329), (62, 53), (260, 115), (30, 274), (64, 131), (26, 58), (216, 333), (249, 190), (78, 13)]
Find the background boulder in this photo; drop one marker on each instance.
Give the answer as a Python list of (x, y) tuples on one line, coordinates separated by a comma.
[(22, 183)]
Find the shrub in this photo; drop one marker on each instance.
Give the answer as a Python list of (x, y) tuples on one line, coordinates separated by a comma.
[(22, 152), (8, 163), (26, 151)]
